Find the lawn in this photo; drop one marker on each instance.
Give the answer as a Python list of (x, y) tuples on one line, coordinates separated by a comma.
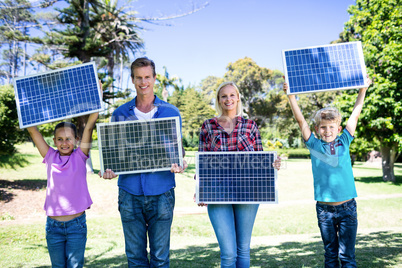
[(285, 234)]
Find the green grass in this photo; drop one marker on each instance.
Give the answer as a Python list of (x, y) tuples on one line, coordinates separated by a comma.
[(285, 234)]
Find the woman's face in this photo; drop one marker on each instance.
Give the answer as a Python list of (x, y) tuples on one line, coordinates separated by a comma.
[(228, 99)]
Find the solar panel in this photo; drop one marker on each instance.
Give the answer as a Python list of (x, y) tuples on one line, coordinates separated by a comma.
[(140, 146), (323, 68), (59, 94), (236, 177)]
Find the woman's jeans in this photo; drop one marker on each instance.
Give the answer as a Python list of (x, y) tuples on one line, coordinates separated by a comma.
[(338, 226), (66, 241), (144, 216), (233, 225)]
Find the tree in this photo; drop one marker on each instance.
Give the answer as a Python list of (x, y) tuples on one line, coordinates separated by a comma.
[(194, 111), (377, 23), (251, 80), (164, 81), (14, 29), (10, 133)]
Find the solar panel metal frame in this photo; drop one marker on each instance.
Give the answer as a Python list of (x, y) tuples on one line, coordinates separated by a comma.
[(121, 124), (57, 84), (340, 63), (199, 199)]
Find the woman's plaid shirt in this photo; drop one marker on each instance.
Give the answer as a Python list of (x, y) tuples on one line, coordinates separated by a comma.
[(245, 136)]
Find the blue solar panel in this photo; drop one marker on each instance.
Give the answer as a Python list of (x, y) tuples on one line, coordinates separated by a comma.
[(57, 95), (140, 146), (323, 68), (235, 177)]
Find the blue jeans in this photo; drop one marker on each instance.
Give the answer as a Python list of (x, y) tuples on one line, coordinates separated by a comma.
[(338, 226), (147, 215), (233, 225), (66, 241)]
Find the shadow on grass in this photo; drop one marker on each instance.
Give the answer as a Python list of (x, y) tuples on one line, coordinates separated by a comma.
[(7, 186), (379, 249), (398, 180), (13, 161)]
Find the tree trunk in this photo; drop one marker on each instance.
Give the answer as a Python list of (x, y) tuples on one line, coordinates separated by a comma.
[(388, 154)]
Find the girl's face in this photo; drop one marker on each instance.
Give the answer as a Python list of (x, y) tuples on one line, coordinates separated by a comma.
[(228, 99), (65, 140)]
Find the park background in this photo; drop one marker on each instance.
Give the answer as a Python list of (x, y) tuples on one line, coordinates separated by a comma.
[(197, 45)]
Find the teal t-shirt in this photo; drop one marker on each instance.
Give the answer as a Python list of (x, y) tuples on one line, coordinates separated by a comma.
[(332, 168)]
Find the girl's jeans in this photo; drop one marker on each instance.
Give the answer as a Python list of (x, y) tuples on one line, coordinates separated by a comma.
[(233, 225), (66, 241)]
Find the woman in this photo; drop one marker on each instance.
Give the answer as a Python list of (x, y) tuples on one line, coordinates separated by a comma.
[(229, 131)]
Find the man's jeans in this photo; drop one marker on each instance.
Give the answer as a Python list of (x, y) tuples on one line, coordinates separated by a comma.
[(142, 215), (66, 241), (338, 226), (233, 225)]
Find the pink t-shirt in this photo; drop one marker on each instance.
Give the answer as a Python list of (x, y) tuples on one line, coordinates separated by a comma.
[(67, 189)]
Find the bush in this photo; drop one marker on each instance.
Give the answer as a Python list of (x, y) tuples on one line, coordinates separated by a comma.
[(10, 133), (294, 153)]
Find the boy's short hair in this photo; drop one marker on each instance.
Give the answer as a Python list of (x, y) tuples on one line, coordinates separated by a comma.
[(142, 62), (328, 113), (66, 124)]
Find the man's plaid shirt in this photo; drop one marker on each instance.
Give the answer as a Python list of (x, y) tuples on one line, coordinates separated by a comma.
[(245, 136)]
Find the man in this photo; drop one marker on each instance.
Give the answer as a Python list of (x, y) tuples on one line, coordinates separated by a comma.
[(146, 200)]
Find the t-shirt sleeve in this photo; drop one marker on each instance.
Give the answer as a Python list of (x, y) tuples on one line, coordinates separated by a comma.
[(311, 141), (79, 152), (50, 153), (346, 138)]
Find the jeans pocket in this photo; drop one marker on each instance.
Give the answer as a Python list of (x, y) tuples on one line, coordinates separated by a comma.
[(352, 213), (166, 205), (125, 206)]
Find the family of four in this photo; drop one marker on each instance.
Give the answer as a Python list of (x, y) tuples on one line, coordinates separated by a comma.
[(146, 201)]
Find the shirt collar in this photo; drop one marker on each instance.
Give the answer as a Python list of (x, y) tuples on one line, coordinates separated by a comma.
[(157, 102)]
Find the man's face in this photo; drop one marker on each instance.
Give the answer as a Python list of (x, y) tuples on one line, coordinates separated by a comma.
[(144, 80)]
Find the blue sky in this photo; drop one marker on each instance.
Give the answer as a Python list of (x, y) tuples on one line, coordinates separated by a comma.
[(204, 43)]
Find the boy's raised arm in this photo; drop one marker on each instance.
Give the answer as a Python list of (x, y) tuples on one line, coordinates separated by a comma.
[(305, 129), (354, 117), (40, 143)]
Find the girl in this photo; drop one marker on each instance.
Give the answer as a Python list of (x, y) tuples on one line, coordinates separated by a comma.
[(232, 223), (67, 195)]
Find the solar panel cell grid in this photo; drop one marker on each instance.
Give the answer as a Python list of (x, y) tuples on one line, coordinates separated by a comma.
[(331, 67), (57, 95), (236, 177), (140, 146)]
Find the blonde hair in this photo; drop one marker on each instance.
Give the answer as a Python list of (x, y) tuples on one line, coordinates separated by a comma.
[(329, 113), (239, 106)]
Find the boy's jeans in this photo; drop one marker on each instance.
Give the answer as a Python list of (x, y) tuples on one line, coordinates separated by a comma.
[(144, 216), (66, 241), (338, 226)]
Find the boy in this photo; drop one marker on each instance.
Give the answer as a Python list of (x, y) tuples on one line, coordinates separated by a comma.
[(334, 187)]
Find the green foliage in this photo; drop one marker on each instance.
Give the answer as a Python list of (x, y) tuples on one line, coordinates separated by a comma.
[(252, 81), (194, 110), (10, 133), (360, 148), (377, 24)]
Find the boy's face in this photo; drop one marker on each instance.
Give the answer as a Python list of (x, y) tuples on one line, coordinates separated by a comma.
[(328, 130), (64, 139)]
